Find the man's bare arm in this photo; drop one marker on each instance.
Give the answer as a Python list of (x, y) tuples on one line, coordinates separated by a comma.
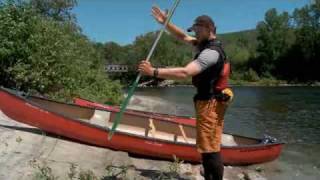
[(189, 70), (161, 17)]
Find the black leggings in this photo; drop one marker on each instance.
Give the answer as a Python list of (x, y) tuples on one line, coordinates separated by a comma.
[(212, 165)]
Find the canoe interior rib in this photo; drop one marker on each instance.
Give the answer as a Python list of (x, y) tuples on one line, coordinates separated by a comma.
[(135, 124)]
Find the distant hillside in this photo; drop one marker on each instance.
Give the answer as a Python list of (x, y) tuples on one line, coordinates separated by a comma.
[(239, 45), (250, 35)]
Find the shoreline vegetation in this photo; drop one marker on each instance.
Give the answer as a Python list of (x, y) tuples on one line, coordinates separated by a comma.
[(44, 51)]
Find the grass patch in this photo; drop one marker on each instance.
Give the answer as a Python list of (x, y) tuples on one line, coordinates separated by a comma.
[(42, 171)]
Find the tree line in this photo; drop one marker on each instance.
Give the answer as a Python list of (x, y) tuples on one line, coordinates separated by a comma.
[(43, 51), (289, 44), (284, 48)]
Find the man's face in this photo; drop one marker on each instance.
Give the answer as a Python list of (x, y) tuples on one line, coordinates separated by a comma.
[(202, 33)]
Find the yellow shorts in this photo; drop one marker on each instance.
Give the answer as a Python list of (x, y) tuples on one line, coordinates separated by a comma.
[(210, 117)]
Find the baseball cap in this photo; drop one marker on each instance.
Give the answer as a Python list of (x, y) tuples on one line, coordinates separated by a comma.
[(204, 21)]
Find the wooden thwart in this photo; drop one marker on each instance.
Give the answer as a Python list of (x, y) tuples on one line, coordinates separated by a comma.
[(152, 128), (183, 133)]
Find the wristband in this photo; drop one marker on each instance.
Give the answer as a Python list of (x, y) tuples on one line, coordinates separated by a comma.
[(155, 72)]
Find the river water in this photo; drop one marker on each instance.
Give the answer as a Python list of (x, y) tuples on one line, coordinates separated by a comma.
[(291, 114)]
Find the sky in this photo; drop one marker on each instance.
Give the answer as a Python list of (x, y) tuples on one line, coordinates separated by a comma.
[(122, 21)]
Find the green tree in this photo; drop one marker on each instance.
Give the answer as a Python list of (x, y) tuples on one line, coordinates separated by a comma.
[(301, 62), (274, 40), (59, 10), (307, 45), (46, 56)]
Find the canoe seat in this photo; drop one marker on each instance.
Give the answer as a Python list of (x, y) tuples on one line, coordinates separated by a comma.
[(228, 140), (142, 131), (100, 118), (182, 139), (129, 129), (171, 137), (145, 132)]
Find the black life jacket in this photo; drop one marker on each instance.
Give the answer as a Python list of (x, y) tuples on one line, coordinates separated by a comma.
[(206, 81)]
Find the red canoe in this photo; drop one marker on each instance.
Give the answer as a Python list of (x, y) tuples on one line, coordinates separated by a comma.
[(136, 134)]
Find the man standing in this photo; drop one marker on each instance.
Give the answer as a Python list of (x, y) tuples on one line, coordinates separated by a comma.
[(209, 75)]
